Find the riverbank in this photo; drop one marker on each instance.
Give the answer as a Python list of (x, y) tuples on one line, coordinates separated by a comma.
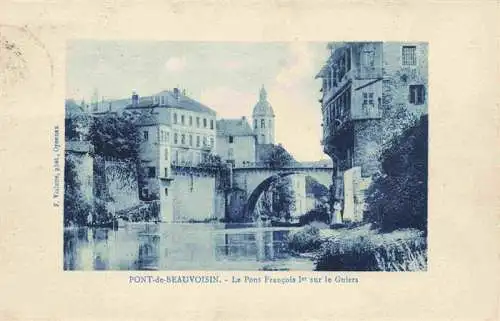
[(361, 249)]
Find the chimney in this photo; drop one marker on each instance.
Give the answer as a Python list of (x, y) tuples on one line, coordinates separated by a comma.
[(135, 98), (176, 93)]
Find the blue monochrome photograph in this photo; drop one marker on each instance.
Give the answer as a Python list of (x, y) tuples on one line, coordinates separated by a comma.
[(246, 156)]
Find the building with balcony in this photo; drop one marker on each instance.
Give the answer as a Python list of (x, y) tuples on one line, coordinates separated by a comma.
[(363, 85), (176, 131)]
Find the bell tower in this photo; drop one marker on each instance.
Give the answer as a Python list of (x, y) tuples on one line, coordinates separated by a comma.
[(263, 119)]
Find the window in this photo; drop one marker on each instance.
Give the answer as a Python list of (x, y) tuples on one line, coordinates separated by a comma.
[(417, 94), (205, 141), (183, 139), (368, 58), (255, 123), (190, 120), (176, 138), (166, 189), (145, 192), (182, 119), (204, 123), (166, 154), (198, 122), (367, 98), (162, 135), (409, 55), (197, 141), (190, 140), (231, 139), (162, 100), (146, 135), (167, 137), (262, 139), (151, 172), (211, 124), (212, 141), (175, 118), (262, 123), (230, 153)]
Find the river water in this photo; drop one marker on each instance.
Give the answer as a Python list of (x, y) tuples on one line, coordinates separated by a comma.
[(195, 246)]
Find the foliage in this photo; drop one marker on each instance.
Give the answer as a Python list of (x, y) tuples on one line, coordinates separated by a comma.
[(398, 197), (76, 208), (278, 201), (279, 157), (115, 137), (315, 188), (367, 250), (319, 214), (306, 239)]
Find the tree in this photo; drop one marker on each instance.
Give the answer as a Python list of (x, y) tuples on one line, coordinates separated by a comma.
[(398, 196), (279, 157)]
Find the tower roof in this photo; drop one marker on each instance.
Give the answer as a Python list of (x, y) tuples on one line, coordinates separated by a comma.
[(263, 107)]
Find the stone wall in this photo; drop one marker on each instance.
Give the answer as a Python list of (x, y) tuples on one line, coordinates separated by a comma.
[(122, 185), (194, 197)]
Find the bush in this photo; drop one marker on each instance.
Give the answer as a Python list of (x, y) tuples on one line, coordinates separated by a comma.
[(404, 250), (307, 239), (315, 215), (398, 197)]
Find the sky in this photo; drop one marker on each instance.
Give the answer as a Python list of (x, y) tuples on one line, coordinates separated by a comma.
[(225, 76)]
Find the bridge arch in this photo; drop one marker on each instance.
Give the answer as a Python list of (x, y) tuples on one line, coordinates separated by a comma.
[(257, 192)]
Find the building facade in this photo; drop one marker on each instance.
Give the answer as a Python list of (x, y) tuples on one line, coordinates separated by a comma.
[(364, 85), (263, 119), (236, 142), (176, 131)]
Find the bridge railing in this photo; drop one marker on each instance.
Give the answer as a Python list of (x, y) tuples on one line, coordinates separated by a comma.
[(272, 166)]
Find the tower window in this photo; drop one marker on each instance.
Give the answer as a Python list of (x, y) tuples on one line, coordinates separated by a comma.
[(255, 123), (262, 123), (166, 189), (231, 139), (417, 94), (409, 55), (146, 135)]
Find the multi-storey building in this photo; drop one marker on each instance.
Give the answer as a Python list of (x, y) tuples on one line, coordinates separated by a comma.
[(176, 130), (364, 83), (236, 141)]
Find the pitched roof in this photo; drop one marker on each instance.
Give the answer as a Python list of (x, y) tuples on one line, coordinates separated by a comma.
[(174, 100), (234, 127)]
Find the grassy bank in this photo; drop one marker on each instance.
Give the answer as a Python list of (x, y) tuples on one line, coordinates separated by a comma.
[(361, 249)]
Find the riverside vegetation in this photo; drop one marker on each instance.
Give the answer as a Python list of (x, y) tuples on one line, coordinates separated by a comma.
[(393, 235)]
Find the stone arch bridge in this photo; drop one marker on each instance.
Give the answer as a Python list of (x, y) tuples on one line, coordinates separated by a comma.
[(248, 183)]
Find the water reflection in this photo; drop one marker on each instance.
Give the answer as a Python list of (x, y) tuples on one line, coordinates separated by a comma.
[(148, 246)]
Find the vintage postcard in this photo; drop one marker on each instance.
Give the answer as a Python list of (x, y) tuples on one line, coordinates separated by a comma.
[(249, 161), (207, 173)]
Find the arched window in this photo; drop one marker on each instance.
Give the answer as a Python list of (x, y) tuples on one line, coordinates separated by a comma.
[(262, 123), (255, 123)]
